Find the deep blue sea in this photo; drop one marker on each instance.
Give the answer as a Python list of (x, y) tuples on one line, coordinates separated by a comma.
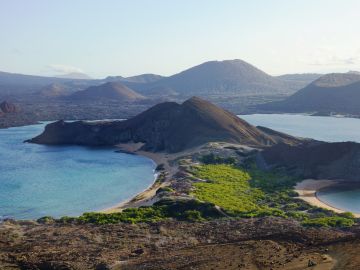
[(331, 129), (38, 180)]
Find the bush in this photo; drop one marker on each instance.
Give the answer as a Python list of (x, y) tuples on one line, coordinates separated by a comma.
[(214, 159), (192, 215), (347, 215), (177, 208), (130, 215), (189, 210), (328, 222), (67, 219), (46, 220), (164, 189), (228, 188)]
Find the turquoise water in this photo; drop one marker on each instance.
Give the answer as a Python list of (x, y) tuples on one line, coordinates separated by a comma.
[(331, 129), (37, 180), (343, 198)]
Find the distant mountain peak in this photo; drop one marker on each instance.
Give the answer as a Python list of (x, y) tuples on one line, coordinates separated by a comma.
[(331, 93), (108, 91), (354, 72), (143, 78), (337, 79), (226, 77)]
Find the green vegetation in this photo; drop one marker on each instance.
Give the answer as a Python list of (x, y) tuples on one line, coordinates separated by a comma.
[(243, 192), (164, 189), (329, 222), (228, 188), (131, 215), (214, 159), (249, 192), (187, 210)]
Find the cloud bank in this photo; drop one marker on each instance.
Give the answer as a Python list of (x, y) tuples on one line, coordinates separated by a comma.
[(64, 69)]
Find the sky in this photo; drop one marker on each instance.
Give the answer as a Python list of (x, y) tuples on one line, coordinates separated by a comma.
[(129, 37)]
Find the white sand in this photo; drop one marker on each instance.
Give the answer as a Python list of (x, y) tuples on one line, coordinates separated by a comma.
[(307, 191)]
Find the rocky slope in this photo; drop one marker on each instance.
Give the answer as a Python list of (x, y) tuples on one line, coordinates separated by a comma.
[(55, 90), (7, 107), (168, 126), (143, 78), (332, 93), (108, 91), (317, 160), (266, 243), (230, 77)]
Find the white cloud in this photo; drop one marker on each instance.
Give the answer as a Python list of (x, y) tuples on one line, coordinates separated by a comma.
[(336, 61), (329, 56), (64, 69)]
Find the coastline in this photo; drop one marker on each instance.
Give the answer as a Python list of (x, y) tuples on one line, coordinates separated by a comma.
[(147, 196), (307, 190)]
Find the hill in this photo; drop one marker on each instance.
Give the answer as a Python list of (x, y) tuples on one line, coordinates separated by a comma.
[(7, 107), (317, 160), (107, 91), (230, 77), (55, 90), (143, 78), (168, 126), (331, 93), (300, 80), (19, 84)]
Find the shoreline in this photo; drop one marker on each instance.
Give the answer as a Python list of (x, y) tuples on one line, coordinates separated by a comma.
[(308, 189), (147, 196)]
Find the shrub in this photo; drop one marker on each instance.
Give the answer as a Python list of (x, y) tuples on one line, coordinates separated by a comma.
[(229, 188), (164, 189), (192, 215), (214, 159), (347, 215), (329, 222), (46, 220)]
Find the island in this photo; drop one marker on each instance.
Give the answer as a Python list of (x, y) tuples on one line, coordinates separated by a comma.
[(224, 199)]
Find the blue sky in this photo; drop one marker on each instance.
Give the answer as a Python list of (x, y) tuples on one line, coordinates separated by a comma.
[(118, 37)]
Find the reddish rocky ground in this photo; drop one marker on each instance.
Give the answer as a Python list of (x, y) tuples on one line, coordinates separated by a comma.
[(267, 243)]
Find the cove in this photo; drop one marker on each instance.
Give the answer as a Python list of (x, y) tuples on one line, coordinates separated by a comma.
[(346, 198), (38, 180)]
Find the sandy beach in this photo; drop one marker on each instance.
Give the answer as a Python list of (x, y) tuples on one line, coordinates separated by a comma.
[(307, 191), (147, 197)]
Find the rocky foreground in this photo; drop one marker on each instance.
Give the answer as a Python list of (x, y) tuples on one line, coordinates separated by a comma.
[(265, 243)]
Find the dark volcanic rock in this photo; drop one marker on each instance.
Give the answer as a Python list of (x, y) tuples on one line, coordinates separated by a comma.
[(55, 90), (108, 91), (317, 160), (167, 127), (332, 93), (7, 107), (227, 77)]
